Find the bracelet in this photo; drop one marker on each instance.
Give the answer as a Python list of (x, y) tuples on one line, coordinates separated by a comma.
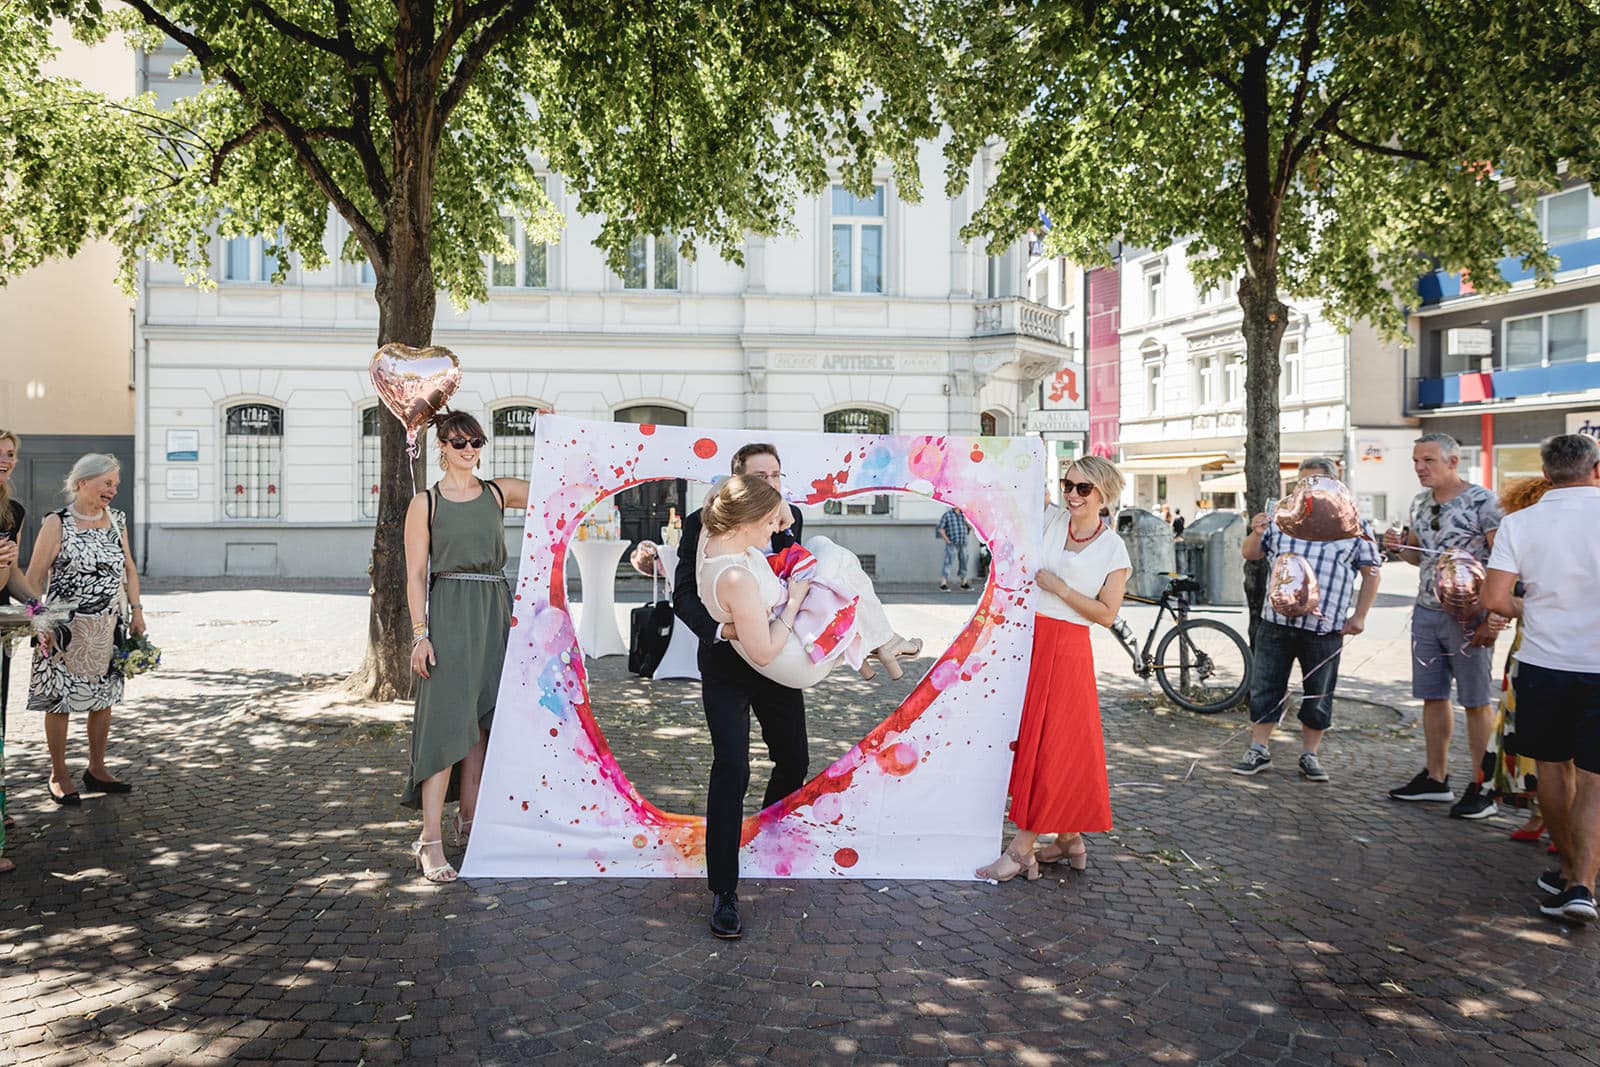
[(419, 628), (136, 607), (417, 640)]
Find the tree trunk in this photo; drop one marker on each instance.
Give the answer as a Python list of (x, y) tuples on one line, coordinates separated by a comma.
[(406, 304), (1264, 322)]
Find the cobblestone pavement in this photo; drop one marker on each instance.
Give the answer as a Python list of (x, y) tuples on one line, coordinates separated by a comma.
[(251, 900)]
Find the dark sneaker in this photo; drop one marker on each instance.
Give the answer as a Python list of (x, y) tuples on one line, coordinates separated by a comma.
[(1552, 882), (1474, 804), (1255, 761), (1423, 788), (1311, 767), (1575, 905), (725, 916)]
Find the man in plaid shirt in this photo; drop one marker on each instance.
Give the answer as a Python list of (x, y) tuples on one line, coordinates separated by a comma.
[(1314, 640), (952, 530)]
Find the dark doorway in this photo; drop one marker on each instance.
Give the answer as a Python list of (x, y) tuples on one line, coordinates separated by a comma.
[(645, 509), (42, 465)]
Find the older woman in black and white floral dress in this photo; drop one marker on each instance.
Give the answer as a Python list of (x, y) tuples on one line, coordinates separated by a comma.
[(83, 548)]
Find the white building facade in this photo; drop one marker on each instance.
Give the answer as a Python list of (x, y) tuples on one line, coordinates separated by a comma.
[(257, 424), (1182, 420)]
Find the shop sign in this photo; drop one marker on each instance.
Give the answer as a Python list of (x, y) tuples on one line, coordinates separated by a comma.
[(1058, 421), (1370, 451), (1584, 422)]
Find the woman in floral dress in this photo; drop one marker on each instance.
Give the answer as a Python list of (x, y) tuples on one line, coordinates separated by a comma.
[(83, 549)]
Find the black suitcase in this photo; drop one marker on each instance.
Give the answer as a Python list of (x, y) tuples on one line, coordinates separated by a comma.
[(649, 634)]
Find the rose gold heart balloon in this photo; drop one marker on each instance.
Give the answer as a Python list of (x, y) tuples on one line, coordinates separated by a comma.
[(1294, 590), (414, 383), (1457, 578), (1320, 509)]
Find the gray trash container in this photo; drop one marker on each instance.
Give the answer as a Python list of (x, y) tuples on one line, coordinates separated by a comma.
[(1218, 537), (1149, 541)]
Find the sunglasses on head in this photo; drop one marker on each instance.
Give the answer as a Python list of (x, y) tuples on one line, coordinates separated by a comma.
[(1083, 489), (458, 443)]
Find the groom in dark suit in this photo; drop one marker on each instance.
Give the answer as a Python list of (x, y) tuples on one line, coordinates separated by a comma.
[(731, 689)]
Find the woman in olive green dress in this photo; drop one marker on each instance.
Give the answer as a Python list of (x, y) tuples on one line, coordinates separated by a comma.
[(460, 616)]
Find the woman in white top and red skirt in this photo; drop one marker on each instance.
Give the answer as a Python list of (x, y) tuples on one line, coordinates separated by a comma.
[(1058, 776)]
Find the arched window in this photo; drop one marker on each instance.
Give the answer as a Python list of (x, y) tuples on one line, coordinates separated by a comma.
[(252, 462), (371, 465), (988, 425), (511, 441), (857, 420), (645, 509)]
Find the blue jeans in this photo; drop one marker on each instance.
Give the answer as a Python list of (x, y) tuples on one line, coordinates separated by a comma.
[(957, 555), (1276, 649)]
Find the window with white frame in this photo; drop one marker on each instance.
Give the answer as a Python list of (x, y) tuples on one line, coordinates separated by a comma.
[(1206, 371), (511, 441), (859, 223), (1233, 378), (857, 420), (1152, 381), (1155, 301), (992, 283), (529, 265), (250, 259), (652, 263), (1564, 217), (1541, 340), (1291, 370), (252, 461), (370, 478)]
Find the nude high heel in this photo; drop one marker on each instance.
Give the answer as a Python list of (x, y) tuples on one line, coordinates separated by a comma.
[(1028, 865), (442, 873), (1076, 853)]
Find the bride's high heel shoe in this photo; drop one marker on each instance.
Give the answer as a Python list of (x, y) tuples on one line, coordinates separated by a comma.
[(1028, 865), (442, 873), (902, 649), (1075, 852)]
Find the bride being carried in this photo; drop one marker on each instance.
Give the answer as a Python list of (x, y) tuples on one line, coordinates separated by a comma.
[(798, 612)]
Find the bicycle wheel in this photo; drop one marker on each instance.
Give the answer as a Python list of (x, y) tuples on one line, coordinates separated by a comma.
[(1203, 665)]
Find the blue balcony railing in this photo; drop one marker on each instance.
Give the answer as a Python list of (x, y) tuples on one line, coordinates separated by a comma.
[(1439, 287), (1507, 384)]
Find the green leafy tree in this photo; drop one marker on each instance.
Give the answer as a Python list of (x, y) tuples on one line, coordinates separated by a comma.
[(1320, 148), (420, 121)]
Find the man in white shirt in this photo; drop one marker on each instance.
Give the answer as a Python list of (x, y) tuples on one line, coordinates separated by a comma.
[(1554, 548)]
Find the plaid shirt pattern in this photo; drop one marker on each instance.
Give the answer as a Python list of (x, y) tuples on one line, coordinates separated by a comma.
[(1335, 563), (954, 525)]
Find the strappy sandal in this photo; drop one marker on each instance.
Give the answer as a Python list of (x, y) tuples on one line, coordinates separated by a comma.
[(442, 873), (891, 660), (1077, 858), (461, 830), (1025, 865)]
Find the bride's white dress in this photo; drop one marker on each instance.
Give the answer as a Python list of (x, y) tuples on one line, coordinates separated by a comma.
[(838, 572)]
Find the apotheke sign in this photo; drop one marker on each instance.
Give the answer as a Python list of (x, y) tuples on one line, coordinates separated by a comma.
[(1058, 421)]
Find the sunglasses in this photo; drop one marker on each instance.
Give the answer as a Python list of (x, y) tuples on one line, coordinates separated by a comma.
[(458, 443), (1083, 489), (1435, 524)]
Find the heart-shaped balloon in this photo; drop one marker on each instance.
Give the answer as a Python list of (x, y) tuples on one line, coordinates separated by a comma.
[(1295, 592), (1320, 509), (414, 383), (1457, 580)]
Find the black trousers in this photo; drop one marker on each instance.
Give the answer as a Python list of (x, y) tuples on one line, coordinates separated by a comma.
[(731, 690)]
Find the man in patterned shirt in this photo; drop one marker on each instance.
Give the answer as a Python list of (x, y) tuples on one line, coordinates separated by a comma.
[(1450, 512), (1314, 640), (952, 530)]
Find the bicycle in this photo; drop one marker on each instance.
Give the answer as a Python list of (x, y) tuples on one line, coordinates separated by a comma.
[(1201, 664)]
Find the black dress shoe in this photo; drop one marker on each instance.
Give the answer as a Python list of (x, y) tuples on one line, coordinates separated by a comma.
[(99, 785), (725, 916), (72, 800)]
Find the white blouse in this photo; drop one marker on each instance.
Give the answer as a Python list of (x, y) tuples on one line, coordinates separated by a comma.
[(1084, 571)]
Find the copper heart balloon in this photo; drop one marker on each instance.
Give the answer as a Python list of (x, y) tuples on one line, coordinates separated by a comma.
[(1457, 578), (1294, 590), (1320, 509), (414, 383)]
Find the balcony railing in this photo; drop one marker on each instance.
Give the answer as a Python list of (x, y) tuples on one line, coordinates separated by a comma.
[(1438, 287), (1012, 315), (1507, 384)]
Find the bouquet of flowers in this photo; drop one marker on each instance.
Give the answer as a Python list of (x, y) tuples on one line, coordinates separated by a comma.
[(134, 655)]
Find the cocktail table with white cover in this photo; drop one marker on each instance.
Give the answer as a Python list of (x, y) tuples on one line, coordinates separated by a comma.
[(683, 651), (598, 634)]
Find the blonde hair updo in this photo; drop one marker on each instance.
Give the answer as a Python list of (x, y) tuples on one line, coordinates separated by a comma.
[(738, 501)]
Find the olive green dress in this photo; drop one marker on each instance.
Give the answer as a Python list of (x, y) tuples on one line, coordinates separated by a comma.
[(467, 622)]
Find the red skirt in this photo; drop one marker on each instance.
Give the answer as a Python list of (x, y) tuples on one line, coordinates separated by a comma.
[(1058, 779)]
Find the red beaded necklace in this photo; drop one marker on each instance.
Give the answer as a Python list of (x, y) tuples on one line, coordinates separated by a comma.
[(1101, 525)]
